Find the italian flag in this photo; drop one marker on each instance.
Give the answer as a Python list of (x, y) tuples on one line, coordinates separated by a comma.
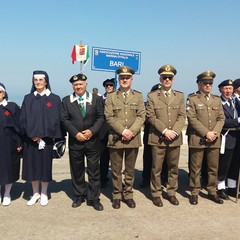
[(80, 53)]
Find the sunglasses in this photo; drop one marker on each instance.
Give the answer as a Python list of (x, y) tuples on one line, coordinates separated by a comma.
[(124, 77), (207, 83), (108, 85), (167, 77)]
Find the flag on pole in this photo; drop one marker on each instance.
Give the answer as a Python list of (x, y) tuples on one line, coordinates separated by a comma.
[(80, 53)]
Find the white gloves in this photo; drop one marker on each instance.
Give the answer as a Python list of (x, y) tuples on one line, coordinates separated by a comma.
[(41, 144)]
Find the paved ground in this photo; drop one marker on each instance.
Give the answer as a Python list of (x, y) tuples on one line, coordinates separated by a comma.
[(58, 220)]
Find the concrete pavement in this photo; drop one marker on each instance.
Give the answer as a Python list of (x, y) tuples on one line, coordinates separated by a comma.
[(58, 220)]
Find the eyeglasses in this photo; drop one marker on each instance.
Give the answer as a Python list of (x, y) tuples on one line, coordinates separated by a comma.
[(167, 77), (108, 85), (124, 77), (207, 83)]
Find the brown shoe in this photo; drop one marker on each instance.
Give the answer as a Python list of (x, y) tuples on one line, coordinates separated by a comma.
[(130, 203), (173, 200), (116, 203), (157, 201), (193, 200)]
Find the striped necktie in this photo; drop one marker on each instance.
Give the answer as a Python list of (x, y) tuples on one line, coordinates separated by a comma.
[(83, 110)]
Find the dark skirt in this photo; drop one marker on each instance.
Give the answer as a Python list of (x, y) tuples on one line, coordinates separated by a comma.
[(9, 159), (37, 164)]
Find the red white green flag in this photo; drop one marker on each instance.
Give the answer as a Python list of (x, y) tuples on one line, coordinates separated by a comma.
[(80, 53)]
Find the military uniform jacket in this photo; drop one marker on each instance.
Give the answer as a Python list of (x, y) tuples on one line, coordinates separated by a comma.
[(121, 115), (204, 116), (165, 112)]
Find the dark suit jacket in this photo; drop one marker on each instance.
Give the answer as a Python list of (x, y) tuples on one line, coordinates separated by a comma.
[(73, 122), (230, 123)]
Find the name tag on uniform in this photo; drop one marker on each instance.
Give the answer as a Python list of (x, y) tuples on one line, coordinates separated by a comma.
[(133, 104)]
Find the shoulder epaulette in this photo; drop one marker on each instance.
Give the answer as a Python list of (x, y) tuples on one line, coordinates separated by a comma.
[(214, 95), (192, 94), (135, 91)]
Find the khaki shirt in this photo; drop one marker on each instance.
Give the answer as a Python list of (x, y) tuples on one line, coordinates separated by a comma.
[(204, 116), (121, 114)]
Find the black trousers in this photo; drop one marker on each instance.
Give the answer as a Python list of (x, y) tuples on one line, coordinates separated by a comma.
[(90, 191), (224, 164)]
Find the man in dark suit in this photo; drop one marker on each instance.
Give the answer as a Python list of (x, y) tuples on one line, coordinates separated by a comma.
[(235, 163), (229, 135), (82, 117), (108, 84), (166, 115), (206, 119)]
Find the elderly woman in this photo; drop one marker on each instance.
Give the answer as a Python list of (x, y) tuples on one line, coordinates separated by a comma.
[(40, 124), (10, 144)]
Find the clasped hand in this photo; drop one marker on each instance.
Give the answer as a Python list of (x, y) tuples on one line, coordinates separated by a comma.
[(84, 135)]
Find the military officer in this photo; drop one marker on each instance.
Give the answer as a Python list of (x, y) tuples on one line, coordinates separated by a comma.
[(206, 119), (166, 115), (125, 113), (229, 135)]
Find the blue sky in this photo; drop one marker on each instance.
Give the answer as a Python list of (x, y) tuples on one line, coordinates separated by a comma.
[(192, 35)]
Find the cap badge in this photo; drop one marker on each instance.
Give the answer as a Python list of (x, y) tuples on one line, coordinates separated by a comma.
[(230, 82), (167, 68), (75, 78), (83, 77), (124, 69)]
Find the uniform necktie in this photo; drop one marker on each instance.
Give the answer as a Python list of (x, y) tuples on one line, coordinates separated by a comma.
[(83, 110), (230, 103), (167, 94), (207, 97), (125, 96)]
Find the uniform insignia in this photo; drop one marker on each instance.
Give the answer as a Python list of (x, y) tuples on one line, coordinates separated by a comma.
[(75, 78), (83, 77), (124, 69), (133, 104), (200, 104), (167, 68)]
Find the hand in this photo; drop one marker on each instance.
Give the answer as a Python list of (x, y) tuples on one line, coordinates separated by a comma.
[(211, 136), (170, 135), (80, 137), (87, 134), (127, 135), (36, 139), (19, 149)]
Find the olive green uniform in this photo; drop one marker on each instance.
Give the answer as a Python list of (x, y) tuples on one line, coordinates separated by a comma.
[(204, 116), (165, 113), (123, 114)]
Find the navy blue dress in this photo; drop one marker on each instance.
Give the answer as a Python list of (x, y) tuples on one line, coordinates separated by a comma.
[(40, 117), (10, 139)]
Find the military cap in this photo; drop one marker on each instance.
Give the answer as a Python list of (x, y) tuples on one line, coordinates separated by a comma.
[(111, 80), (236, 83), (224, 83), (125, 70), (167, 70), (207, 75), (78, 77)]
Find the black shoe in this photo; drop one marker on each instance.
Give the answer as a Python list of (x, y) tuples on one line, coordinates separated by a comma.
[(193, 200), (116, 204), (95, 204), (130, 203), (215, 198), (222, 194), (77, 202)]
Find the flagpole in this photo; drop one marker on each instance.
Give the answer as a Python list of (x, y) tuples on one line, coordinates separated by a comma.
[(81, 62)]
